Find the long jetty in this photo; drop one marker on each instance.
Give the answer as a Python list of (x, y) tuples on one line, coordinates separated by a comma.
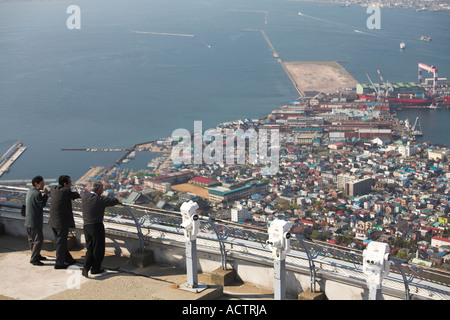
[(95, 149), (277, 56), (118, 161), (165, 34), (10, 156), (23, 181)]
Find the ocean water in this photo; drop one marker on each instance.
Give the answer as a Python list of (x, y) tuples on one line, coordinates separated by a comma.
[(105, 86)]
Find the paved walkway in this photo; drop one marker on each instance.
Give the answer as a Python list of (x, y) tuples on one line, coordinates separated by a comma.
[(20, 280)]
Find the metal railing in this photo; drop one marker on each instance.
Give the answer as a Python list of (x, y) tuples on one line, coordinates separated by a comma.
[(228, 237)]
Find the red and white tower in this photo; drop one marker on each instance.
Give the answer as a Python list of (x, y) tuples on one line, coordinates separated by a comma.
[(431, 69)]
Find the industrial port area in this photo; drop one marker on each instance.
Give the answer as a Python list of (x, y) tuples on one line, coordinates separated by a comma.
[(349, 170)]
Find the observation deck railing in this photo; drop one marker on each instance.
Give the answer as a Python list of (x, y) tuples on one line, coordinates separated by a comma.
[(317, 258)]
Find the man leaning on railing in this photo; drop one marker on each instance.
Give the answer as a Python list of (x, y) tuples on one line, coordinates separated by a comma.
[(61, 219), (93, 206)]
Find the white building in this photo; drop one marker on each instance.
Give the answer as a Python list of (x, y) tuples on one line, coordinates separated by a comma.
[(437, 154), (240, 214), (381, 141), (438, 242), (407, 151), (342, 179)]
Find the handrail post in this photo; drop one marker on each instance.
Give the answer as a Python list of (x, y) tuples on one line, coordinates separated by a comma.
[(312, 267), (405, 280), (138, 228), (223, 253)]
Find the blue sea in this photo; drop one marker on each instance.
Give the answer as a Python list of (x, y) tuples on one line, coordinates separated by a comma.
[(105, 86)]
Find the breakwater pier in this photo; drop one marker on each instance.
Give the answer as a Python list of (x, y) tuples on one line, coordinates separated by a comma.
[(165, 33), (10, 156), (96, 149), (277, 56), (22, 182), (326, 76), (125, 156)]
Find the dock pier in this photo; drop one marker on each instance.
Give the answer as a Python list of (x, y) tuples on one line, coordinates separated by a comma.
[(23, 182), (165, 33), (127, 153), (277, 56), (145, 146), (118, 161), (95, 149), (10, 156)]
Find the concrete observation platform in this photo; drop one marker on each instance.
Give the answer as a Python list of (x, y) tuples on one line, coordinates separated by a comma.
[(20, 280)]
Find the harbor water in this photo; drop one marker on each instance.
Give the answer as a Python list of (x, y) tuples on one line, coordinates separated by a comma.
[(105, 86)]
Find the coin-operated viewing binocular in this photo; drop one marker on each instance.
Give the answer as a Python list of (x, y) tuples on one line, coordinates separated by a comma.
[(376, 263), (279, 238), (190, 222)]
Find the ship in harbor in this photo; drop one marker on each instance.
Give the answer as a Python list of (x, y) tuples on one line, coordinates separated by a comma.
[(404, 93), (399, 100), (393, 93)]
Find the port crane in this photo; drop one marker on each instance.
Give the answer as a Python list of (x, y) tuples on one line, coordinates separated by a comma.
[(430, 69), (373, 86), (387, 86)]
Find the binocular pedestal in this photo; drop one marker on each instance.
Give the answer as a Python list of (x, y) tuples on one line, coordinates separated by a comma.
[(191, 263), (279, 279)]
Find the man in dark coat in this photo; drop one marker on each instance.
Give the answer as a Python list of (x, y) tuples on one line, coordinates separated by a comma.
[(34, 218), (61, 219), (93, 208)]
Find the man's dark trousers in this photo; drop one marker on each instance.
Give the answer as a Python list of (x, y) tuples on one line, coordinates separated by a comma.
[(63, 255), (35, 240), (95, 242)]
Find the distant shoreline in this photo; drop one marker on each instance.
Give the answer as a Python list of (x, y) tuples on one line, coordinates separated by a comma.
[(435, 6)]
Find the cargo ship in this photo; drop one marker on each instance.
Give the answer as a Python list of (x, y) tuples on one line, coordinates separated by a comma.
[(400, 100), (405, 94)]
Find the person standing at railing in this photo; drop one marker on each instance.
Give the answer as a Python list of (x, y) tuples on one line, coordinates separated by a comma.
[(61, 219), (93, 206), (34, 218)]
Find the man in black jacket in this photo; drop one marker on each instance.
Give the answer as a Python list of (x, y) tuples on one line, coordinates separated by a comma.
[(34, 218), (93, 208), (61, 219)]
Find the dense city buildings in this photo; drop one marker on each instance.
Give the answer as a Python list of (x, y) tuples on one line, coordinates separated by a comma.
[(349, 172)]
